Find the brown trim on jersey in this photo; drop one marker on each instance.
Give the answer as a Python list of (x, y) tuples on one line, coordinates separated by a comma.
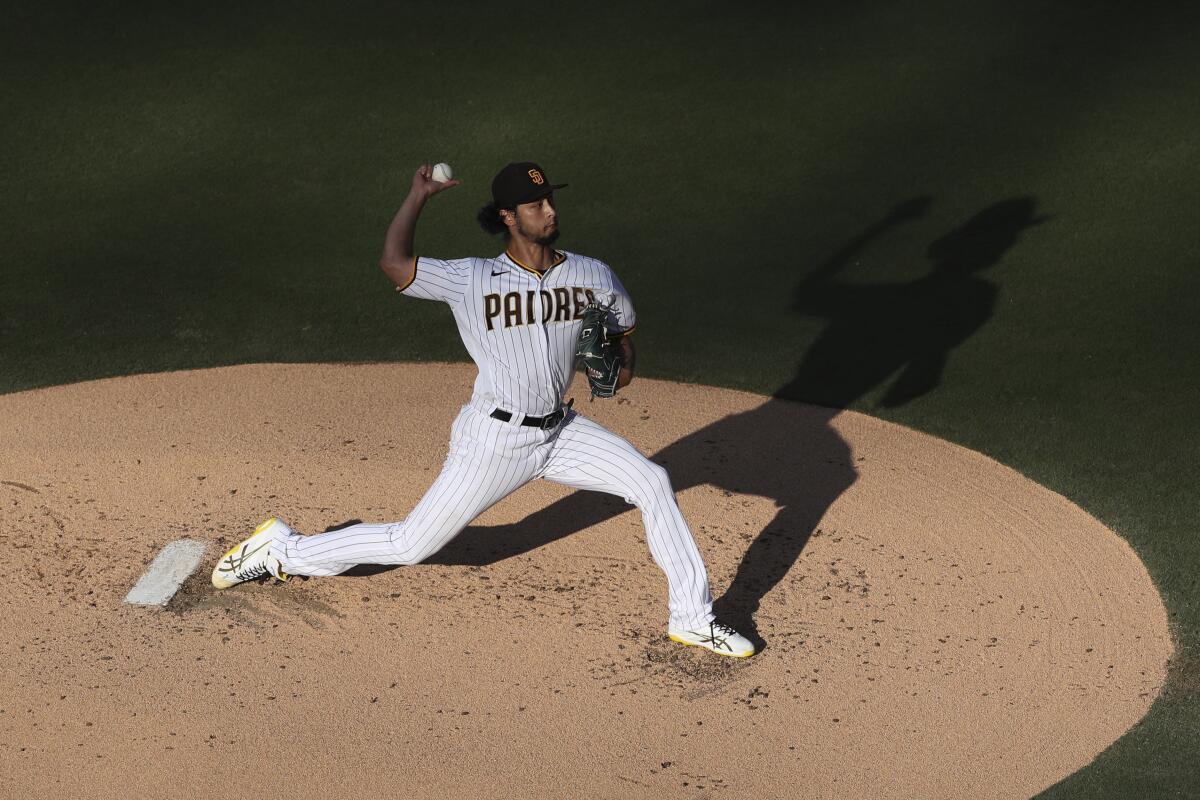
[(561, 258), (413, 278), (627, 332)]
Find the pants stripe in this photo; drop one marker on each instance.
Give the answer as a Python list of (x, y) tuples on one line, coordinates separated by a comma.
[(487, 461)]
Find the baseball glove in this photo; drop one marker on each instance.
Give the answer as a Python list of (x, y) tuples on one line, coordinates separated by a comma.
[(601, 359)]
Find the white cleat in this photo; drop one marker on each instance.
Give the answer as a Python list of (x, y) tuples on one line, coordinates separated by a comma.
[(716, 636), (251, 558)]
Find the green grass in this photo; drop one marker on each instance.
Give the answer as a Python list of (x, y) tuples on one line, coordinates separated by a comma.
[(209, 184)]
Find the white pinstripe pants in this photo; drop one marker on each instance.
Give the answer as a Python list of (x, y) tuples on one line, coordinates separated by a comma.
[(488, 460)]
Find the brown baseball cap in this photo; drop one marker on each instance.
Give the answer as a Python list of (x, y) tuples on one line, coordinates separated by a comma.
[(523, 182)]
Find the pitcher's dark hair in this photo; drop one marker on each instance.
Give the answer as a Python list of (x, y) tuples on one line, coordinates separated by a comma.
[(490, 221)]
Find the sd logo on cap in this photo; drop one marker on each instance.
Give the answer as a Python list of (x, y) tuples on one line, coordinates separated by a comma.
[(523, 182)]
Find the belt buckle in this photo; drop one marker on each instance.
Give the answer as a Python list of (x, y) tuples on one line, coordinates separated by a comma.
[(554, 419)]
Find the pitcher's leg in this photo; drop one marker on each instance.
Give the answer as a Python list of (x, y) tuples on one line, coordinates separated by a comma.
[(477, 474), (588, 456)]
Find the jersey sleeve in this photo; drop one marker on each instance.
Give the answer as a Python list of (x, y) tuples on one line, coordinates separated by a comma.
[(439, 279), (622, 319)]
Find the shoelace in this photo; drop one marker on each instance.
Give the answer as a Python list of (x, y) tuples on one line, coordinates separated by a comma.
[(249, 573), (242, 571), (715, 628), (723, 628)]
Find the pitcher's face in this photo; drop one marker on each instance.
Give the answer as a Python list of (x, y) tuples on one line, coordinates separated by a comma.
[(536, 222)]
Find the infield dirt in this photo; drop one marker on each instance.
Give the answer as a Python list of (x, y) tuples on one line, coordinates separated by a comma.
[(935, 625)]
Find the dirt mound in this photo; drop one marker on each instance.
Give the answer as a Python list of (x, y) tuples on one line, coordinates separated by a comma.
[(935, 625)]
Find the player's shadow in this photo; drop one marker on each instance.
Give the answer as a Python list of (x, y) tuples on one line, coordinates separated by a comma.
[(787, 451), (906, 329)]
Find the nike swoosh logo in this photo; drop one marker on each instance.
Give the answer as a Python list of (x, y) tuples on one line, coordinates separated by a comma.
[(235, 565), (494, 274)]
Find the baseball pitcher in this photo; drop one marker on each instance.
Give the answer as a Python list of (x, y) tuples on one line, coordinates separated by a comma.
[(528, 317)]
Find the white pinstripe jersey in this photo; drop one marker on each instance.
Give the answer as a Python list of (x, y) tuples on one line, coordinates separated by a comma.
[(521, 327)]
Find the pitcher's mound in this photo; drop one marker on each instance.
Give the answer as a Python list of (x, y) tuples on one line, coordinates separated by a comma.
[(935, 625)]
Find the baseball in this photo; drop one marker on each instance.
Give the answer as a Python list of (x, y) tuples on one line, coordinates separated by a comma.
[(442, 173)]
